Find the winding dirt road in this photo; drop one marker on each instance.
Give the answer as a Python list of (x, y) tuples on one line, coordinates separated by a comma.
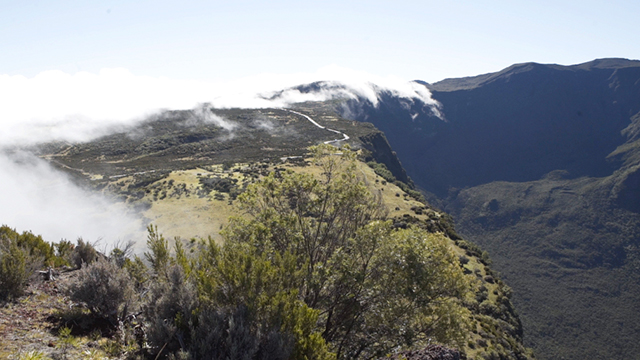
[(345, 136)]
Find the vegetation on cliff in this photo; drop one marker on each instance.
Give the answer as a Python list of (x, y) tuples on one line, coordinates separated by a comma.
[(312, 270)]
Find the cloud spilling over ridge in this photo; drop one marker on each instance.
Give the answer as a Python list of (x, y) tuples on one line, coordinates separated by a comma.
[(75, 107), (341, 83), (36, 197), (56, 106)]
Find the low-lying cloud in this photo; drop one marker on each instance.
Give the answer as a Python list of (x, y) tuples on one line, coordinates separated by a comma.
[(39, 198), (56, 106), (77, 107), (203, 114)]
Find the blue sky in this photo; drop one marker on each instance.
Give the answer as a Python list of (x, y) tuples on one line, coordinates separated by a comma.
[(222, 40)]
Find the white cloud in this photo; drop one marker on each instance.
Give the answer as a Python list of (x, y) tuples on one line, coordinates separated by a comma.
[(202, 113), (36, 197), (78, 107)]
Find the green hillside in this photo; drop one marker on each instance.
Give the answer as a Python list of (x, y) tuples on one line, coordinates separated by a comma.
[(190, 195)]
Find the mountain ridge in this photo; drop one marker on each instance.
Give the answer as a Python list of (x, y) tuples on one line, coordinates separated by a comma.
[(470, 82), (171, 171), (539, 164)]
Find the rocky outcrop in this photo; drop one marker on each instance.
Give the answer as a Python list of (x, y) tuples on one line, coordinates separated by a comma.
[(381, 152)]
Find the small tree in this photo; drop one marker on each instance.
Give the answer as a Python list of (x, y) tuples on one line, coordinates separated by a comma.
[(313, 272), (375, 288)]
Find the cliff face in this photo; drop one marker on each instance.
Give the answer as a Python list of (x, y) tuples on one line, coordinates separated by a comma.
[(532, 119), (381, 152)]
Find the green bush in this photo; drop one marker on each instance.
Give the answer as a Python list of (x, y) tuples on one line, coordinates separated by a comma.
[(64, 251), (138, 272), (234, 277), (375, 288), (230, 334), (14, 271), (121, 252), (34, 246), (381, 169), (20, 256), (83, 253), (169, 311), (312, 272), (158, 255), (233, 305), (104, 288)]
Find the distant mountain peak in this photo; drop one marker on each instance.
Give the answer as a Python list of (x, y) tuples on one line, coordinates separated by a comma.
[(471, 82), (607, 63)]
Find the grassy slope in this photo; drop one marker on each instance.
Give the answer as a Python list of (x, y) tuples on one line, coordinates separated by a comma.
[(161, 171), (169, 208)]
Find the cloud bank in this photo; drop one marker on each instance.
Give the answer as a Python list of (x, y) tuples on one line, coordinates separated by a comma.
[(39, 198), (56, 106), (76, 107)]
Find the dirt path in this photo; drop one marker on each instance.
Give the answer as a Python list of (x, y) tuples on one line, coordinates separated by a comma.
[(345, 136)]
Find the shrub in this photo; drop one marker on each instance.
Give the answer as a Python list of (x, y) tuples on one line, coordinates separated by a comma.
[(105, 288), (138, 272), (374, 287), (14, 271), (485, 259), (233, 278), (79, 318), (66, 341), (34, 247), (237, 310), (158, 255), (121, 252), (64, 250), (83, 253), (312, 269), (230, 334), (472, 248), (169, 310), (228, 164), (382, 170)]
